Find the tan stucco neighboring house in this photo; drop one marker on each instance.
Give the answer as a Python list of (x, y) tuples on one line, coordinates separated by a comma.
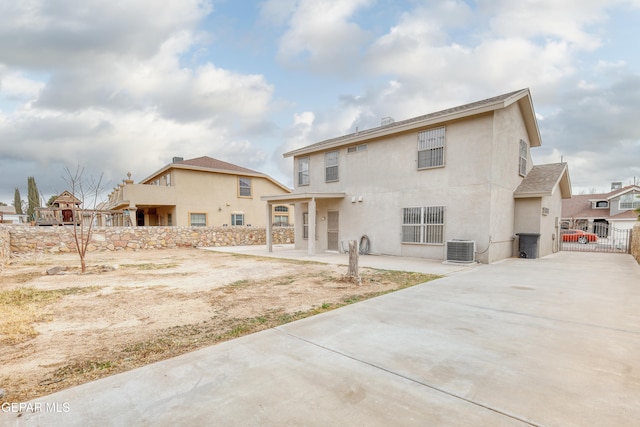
[(455, 181), (200, 192), (602, 212)]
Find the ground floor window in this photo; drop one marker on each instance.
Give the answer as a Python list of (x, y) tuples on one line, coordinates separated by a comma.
[(237, 219), (198, 219), (423, 225), (169, 219), (281, 220)]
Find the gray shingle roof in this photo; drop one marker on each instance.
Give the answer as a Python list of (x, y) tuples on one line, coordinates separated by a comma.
[(541, 180)]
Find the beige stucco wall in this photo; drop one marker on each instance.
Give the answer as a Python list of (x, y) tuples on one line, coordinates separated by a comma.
[(196, 191), (476, 187)]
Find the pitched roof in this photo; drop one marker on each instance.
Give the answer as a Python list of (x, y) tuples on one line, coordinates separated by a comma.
[(478, 107), (580, 206), (211, 163), (8, 210), (542, 181)]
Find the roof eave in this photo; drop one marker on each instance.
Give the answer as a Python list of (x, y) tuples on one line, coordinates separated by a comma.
[(523, 97)]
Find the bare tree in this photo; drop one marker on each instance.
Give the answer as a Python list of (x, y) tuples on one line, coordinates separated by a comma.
[(87, 190)]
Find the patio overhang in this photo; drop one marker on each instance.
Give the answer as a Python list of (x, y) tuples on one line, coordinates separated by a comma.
[(309, 198), (300, 197)]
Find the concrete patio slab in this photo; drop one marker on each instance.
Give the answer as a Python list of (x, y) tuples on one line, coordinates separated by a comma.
[(384, 262), (544, 342)]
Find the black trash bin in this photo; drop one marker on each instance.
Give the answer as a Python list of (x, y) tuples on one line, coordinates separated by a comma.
[(528, 246)]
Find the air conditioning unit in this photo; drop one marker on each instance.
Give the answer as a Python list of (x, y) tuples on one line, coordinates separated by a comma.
[(461, 250)]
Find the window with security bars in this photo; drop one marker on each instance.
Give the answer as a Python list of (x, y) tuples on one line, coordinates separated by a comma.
[(303, 171), (331, 166), (423, 225), (523, 158), (244, 187), (431, 148)]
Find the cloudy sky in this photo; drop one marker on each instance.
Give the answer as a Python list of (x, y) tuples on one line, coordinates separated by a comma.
[(121, 86)]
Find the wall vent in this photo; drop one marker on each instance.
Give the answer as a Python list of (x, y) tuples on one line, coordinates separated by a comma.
[(461, 250)]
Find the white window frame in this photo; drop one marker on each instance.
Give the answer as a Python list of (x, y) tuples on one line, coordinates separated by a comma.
[(244, 187), (357, 148), (303, 170), (633, 203), (522, 163), (423, 225), (431, 148), (237, 219), (331, 171), (193, 215)]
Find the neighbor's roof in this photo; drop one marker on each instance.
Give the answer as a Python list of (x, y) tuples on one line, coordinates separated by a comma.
[(523, 97), (209, 164), (579, 206), (9, 210), (542, 180)]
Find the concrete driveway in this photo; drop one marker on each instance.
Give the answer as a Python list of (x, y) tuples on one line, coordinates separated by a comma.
[(546, 342)]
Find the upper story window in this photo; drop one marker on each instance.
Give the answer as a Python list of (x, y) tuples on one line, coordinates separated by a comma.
[(600, 204), (522, 165), (303, 171), (630, 201), (331, 166), (431, 148), (244, 187), (357, 148), (167, 180)]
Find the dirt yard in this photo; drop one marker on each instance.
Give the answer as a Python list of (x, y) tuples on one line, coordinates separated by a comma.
[(135, 308)]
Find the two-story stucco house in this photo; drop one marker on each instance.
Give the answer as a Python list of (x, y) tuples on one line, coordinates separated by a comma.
[(200, 192), (416, 187)]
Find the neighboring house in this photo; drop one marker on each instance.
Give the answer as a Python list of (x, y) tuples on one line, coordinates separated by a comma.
[(413, 186), (601, 212), (199, 192), (8, 215)]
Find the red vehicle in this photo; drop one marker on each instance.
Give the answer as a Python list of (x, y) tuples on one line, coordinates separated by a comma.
[(578, 236)]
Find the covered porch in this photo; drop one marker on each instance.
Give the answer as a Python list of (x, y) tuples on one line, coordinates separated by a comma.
[(294, 198)]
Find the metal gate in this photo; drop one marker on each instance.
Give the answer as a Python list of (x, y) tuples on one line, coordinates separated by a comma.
[(604, 238)]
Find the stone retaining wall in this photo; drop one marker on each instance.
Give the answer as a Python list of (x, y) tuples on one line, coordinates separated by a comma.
[(60, 239), (5, 248), (635, 242)]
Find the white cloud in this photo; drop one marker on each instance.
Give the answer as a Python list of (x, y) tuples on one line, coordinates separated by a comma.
[(15, 85), (321, 37)]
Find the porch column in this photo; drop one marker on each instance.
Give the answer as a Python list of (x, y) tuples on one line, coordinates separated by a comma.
[(133, 217), (269, 228), (311, 241)]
